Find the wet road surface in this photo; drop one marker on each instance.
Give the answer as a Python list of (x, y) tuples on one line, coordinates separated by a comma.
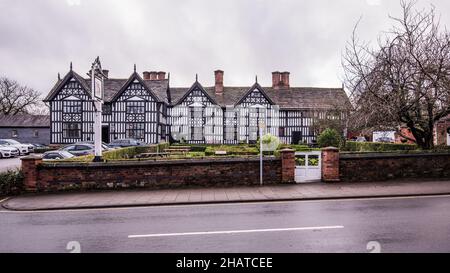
[(419, 224)]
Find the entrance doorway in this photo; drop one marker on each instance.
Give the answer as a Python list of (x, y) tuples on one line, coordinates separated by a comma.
[(105, 133), (296, 137)]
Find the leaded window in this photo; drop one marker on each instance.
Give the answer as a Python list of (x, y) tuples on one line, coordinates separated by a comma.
[(136, 131), (135, 111), (72, 107), (71, 130)]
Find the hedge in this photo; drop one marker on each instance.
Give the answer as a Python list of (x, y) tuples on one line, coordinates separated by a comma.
[(353, 146), (11, 182)]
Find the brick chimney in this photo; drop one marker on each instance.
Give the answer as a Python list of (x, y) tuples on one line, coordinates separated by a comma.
[(153, 75), (285, 79), (276, 78), (280, 80), (218, 87), (146, 75), (161, 75)]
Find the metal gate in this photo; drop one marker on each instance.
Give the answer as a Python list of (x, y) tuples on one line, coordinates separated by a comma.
[(308, 167)]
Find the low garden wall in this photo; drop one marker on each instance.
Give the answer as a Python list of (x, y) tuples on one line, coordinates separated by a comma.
[(39, 176), (388, 166)]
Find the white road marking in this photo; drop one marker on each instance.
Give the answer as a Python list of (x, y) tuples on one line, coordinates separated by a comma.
[(156, 206), (232, 231), (4, 199)]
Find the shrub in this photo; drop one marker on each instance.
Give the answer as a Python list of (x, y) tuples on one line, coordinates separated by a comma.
[(353, 146), (11, 182), (269, 143), (329, 138)]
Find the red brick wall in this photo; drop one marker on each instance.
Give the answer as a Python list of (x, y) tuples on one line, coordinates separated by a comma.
[(288, 162), (381, 167), (157, 174), (330, 164)]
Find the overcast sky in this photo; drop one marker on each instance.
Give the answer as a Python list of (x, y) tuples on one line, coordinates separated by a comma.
[(39, 38)]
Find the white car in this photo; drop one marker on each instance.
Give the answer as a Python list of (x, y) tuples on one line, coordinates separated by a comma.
[(24, 149), (8, 151)]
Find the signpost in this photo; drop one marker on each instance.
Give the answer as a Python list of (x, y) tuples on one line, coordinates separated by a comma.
[(97, 89), (261, 126)]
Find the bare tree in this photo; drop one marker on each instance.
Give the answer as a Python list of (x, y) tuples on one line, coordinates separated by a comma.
[(15, 98), (405, 79)]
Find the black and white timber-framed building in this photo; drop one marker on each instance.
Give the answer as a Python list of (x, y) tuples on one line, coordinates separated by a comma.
[(148, 109)]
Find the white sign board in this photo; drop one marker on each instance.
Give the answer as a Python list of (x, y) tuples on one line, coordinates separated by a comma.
[(98, 88), (384, 136)]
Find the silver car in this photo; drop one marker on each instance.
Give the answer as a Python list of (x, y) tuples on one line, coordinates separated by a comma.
[(79, 149), (55, 155)]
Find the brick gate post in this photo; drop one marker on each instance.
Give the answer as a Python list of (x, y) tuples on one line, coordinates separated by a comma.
[(330, 164), (287, 166), (30, 172)]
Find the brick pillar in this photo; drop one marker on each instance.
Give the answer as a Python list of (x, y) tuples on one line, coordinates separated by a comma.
[(330, 164), (287, 166), (30, 171)]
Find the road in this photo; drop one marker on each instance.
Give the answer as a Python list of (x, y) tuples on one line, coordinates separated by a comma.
[(9, 163), (419, 224)]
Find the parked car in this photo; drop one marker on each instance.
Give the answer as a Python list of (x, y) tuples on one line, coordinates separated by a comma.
[(24, 149), (105, 146), (40, 146), (79, 149), (54, 155), (8, 151), (126, 142)]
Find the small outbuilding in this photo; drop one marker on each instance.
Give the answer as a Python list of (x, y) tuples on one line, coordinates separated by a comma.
[(25, 128)]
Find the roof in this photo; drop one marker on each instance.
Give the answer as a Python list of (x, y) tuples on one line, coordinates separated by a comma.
[(24, 121), (287, 98), (292, 98), (112, 87)]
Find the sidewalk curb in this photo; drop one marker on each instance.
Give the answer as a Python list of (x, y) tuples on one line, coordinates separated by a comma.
[(5, 205)]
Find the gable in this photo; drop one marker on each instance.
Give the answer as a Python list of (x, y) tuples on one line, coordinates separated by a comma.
[(135, 89), (72, 90), (255, 96), (196, 96)]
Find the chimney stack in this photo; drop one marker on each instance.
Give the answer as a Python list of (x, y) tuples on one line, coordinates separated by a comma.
[(276, 78), (218, 82), (280, 80), (285, 79), (146, 75), (161, 75), (153, 75)]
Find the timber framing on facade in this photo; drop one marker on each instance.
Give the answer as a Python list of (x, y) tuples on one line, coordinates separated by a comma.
[(148, 109)]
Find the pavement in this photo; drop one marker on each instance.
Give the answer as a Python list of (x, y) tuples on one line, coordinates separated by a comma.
[(137, 198)]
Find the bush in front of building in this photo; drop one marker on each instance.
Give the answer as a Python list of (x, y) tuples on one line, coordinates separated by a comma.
[(11, 182), (329, 138), (352, 146)]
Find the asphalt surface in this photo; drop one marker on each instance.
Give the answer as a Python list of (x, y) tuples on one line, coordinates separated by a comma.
[(416, 224), (9, 163)]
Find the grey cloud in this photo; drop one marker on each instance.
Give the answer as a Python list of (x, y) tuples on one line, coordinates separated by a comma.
[(184, 37)]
